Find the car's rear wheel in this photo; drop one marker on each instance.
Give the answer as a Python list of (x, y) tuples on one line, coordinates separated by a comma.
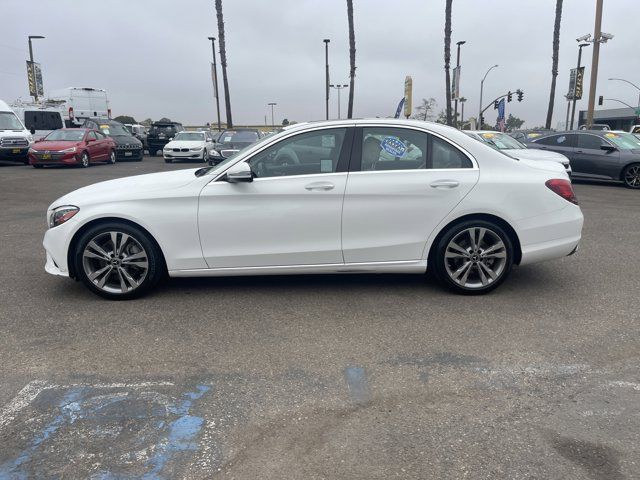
[(84, 160), (473, 257), (631, 176), (118, 261), (112, 157)]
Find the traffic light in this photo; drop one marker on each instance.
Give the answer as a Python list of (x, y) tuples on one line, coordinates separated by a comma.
[(481, 121), (509, 96), (520, 94), (495, 105), (600, 100)]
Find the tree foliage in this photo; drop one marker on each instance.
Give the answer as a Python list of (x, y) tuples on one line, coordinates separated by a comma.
[(424, 111), (513, 123), (125, 119)]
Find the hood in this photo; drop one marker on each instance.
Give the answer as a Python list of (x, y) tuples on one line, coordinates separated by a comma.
[(127, 188), (185, 144), (126, 140), (546, 165), (535, 154), (54, 145)]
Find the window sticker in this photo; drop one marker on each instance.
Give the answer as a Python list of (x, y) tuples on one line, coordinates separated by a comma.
[(487, 135), (393, 146), (105, 129), (561, 139), (533, 135), (328, 141), (227, 139), (611, 135), (326, 166)]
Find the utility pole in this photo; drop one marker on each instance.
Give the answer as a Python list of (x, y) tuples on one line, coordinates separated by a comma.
[(457, 80), (575, 85), (566, 122), (33, 71), (594, 62), (272, 104), (462, 100), (215, 79), (339, 87), (326, 76)]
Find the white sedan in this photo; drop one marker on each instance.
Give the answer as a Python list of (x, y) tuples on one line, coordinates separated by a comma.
[(189, 146), (513, 147), (340, 196)]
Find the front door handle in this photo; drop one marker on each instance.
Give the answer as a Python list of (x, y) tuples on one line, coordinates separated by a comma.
[(321, 186), (579, 151), (444, 184)]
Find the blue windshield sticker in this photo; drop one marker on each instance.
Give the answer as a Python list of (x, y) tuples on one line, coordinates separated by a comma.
[(393, 146)]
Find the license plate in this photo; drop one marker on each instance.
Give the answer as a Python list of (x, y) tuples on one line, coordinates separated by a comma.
[(161, 135), (15, 150), (46, 156), (128, 154)]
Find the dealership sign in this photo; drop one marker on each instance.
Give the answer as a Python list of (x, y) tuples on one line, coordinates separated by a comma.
[(34, 76), (576, 81)]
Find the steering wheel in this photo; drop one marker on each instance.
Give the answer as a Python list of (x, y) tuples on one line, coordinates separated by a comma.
[(286, 156)]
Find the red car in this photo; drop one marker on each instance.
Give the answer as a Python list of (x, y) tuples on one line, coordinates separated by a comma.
[(73, 146)]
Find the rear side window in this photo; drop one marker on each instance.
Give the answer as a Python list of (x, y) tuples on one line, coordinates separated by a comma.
[(42, 120), (557, 140), (590, 141), (445, 155)]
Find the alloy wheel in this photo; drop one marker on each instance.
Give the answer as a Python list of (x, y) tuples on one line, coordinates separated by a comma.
[(475, 258), (632, 176), (115, 262), (84, 161), (112, 157)]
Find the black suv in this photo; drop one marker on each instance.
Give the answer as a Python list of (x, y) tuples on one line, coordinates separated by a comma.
[(128, 147), (160, 134)]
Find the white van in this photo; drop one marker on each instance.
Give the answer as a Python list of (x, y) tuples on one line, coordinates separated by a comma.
[(40, 120), (15, 139), (80, 103)]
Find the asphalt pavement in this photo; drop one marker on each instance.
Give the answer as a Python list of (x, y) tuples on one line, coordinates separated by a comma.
[(354, 376)]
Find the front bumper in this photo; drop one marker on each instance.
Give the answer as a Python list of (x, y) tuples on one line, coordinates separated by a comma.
[(56, 245), (53, 159), (14, 153), (188, 155)]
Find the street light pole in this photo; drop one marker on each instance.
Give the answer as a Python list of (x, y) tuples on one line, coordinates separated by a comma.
[(630, 83), (597, 32), (575, 84), (272, 104), (339, 87), (455, 108), (215, 79), (35, 37), (481, 88), (326, 77), (462, 100)]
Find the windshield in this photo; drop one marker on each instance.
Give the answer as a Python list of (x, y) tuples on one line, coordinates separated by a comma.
[(65, 136), (114, 130), (501, 141), (193, 136), (9, 121), (624, 141), (162, 129), (238, 136)]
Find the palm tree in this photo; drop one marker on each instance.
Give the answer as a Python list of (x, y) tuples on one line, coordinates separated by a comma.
[(447, 55), (223, 62), (352, 56), (554, 64)]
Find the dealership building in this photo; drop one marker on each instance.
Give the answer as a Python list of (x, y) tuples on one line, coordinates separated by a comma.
[(616, 118)]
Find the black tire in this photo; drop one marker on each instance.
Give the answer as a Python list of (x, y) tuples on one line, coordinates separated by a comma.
[(205, 156), (112, 157), (168, 160), (631, 176), (36, 166), (85, 161), (156, 269), (445, 268)]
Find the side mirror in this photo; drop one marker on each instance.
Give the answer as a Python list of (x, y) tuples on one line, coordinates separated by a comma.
[(608, 148), (32, 130), (240, 173)]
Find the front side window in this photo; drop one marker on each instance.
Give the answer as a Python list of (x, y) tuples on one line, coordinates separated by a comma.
[(9, 121), (591, 142), (304, 154)]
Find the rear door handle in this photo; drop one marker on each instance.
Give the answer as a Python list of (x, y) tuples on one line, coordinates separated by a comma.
[(320, 186), (579, 151), (444, 184)]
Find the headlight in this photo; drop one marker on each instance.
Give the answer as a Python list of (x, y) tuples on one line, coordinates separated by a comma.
[(69, 150), (166, 149), (196, 149), (30, 138), (60, 215), (215, 153)]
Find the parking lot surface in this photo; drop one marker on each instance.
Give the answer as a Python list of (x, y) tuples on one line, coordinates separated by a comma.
[(350, 376)]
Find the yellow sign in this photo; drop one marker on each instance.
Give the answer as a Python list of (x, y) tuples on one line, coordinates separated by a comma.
[(408, 95)]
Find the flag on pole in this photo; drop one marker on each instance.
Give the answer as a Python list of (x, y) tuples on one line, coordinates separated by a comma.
[(399, 109), (501, 122)]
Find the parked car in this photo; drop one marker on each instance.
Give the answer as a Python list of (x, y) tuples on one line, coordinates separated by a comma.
[(232, 141), (188, 146), (597, 154), (127, 146), (526, 136), (456, 207), (160, 134), (15, 139), (138, 131), (79, 103), (40, 120), (73, 146), (596, 126), (513, 147)]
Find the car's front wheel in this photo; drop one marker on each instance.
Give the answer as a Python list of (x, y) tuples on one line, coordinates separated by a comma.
[(631, 176), (112, 157), (473, 257), (84, 160), (118, 261)]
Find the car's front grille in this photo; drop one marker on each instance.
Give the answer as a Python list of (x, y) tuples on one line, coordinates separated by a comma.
[(228, 153), (48, 155), (180, 149), (128, 147), (15, 142)]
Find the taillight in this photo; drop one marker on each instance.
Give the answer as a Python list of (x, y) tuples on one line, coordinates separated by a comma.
[(563, 188), (70, 113)]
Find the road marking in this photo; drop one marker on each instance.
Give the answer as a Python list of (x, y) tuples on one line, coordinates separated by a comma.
[(24, 397), (620, 383), (357, 383)]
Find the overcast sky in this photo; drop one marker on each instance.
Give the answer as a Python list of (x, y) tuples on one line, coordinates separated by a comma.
[(153, 56)]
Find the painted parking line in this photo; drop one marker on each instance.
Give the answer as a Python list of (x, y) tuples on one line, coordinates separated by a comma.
[(357, 384)]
